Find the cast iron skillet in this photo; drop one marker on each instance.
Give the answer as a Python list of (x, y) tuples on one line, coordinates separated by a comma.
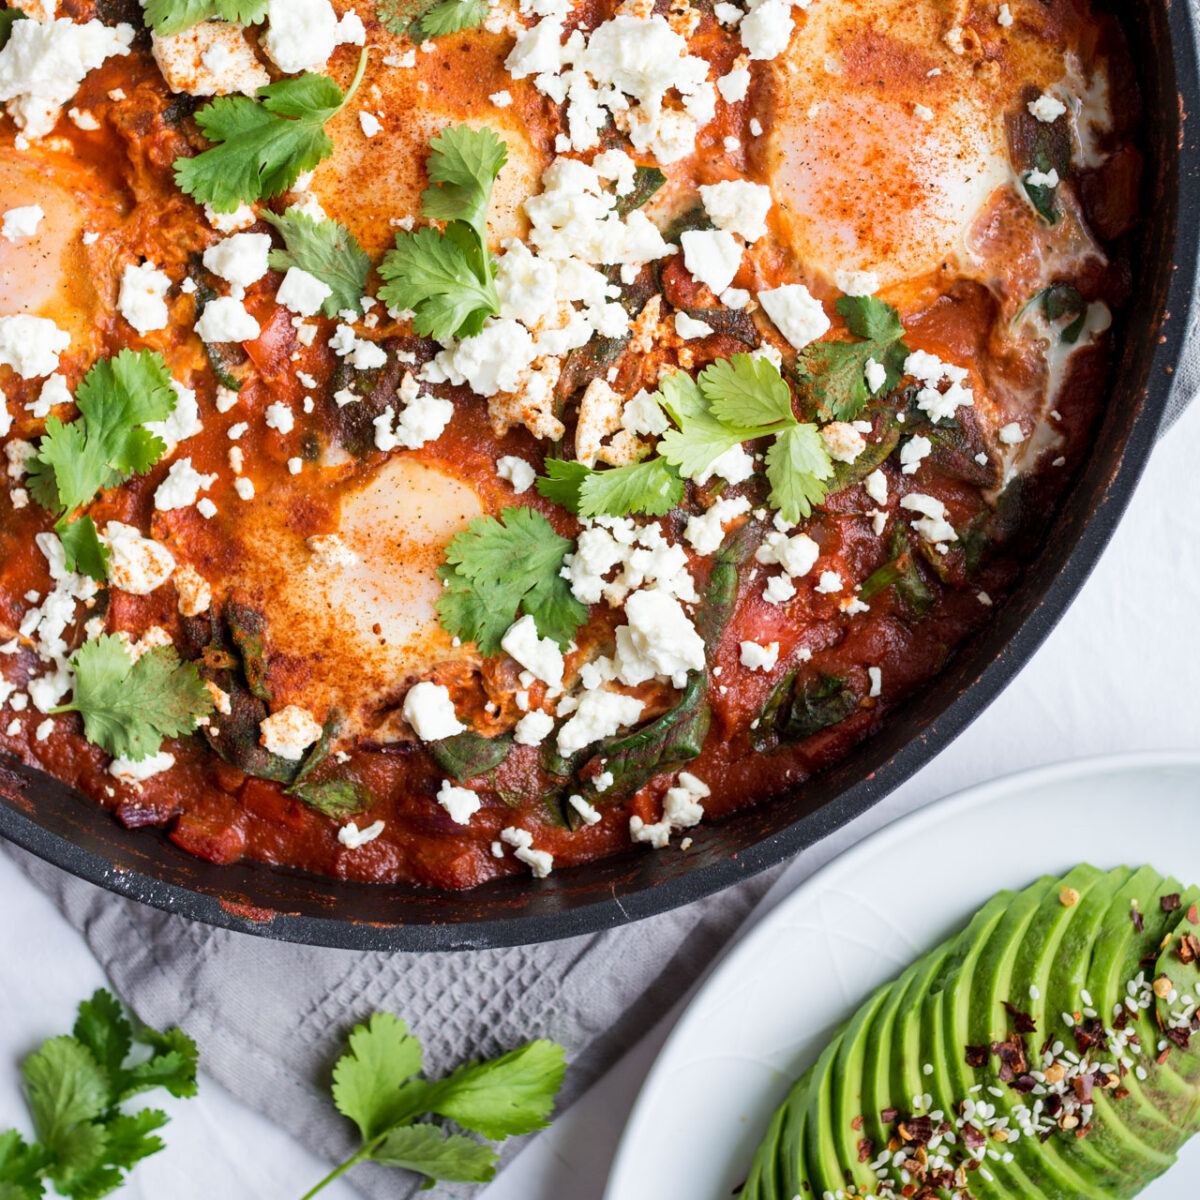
[(61, 826)]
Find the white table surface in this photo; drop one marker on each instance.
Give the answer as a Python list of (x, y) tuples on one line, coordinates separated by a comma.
[(1119, 673)]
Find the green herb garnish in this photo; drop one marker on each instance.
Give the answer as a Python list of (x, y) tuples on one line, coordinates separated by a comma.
[(328, 251), (378, 1085), (261, 147), (497, 568), (107, 445), (75, 1085), (166, 17), (446, 277), (421, 20), (129, 707), (831, 375)]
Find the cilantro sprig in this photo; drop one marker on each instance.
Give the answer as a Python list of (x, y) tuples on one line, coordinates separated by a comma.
[(498, 567), (378, 1086), (261, 147), (75, 1084), (830, 375), (107, 445), (425, 19), (328, 251), (128, 707), (447, 277), (652, 487), (166, 17)]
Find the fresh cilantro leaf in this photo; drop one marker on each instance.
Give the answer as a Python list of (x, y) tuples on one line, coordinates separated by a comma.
[(8, 16), (496, 567), (367, 1081), (699, 441), (797, 465), (74, 1085), (446, 277), (503, 1097), (427, 1150), (745, 391), (830, 375), (84, 551), (562, 482), (261, 147), (172, 1065), (20, 1168), (328, 251), (652, 487), (449, 16), (166, 17), (105, 1030), (66, 1088), (115, 398), (128, 707), (430, 273), (681, 396), (376, 1084)]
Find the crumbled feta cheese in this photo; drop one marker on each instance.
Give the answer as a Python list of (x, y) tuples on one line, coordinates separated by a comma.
[(600, 714), (243, 486), (136, 564), (533, 728), (31, 345), (181, 487), (142, 299), (875, 374), (1047, 108), (713, 257), (766, 30), (423, 419), (738, 206), (932, 526), (537, 654), (226, 320), (517, 471), (369, 124), (830, 582), (540, 862), (22, 222), (193, 591), (242, 217), (212, 58), (758, 657), (876, 486), (659, 639), (876, 677), (240, 259), (922, 112), (796, 313), (797, 554), (459, 802), (843, 441), (289, 732), (588, 813), (501, 99), (914, 451), (688, 327), (328, 550), (206, 508), (130, 771), (734, 86), (279, 417), (1012, 434), (43, 63), (779, 589), (1004, 18), (1046, 179), (361, 353), (352, 837), (856, 283), (301, 34), (707, 532), (302, 293), (430, 711)]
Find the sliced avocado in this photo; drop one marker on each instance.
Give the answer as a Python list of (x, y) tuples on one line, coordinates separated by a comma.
[(978, 1022)]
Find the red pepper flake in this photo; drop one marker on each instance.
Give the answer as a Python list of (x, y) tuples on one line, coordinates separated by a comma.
[(1022, 1021), (1193, 915), (889, 1115), (1162, 1058), (866, 1150), (1180, 1037), (1189, 948), (977, 1056), (1170, 902), (856, 1124)]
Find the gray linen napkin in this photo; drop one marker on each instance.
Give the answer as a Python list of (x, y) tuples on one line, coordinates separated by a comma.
[(270, 1017)]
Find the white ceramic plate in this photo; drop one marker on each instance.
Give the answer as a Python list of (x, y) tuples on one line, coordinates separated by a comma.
[(769, 1007)]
